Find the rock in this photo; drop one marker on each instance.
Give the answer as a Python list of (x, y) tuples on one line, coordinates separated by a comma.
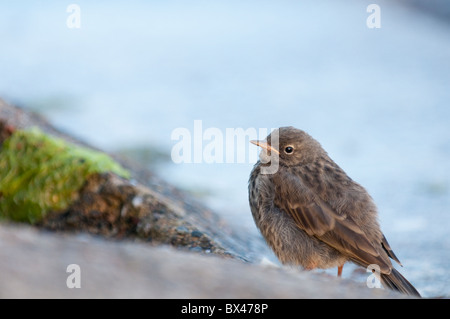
[(107, 206), (143, 207), (34, 263)]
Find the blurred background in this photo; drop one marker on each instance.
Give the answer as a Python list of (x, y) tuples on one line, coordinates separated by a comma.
[(377, 99)]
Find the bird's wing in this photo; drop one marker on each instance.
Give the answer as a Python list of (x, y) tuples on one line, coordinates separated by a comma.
[(318, 219), (389, 250)]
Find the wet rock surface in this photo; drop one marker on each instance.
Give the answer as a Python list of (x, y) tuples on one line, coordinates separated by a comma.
[(113, 207)]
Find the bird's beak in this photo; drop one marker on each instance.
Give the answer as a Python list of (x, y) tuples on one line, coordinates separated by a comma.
[(265, 145)]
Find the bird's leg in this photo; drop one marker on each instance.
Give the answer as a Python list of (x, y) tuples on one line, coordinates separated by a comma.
[(340, 270)]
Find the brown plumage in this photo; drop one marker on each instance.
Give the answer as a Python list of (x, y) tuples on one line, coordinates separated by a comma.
[(312, 214)]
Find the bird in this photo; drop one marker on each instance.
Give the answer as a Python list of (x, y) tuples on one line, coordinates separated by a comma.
[(312, 214)]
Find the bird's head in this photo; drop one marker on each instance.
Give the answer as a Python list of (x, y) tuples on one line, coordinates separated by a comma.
[(290, 146)]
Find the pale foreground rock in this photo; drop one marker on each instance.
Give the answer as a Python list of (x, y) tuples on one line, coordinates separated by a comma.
[(33, 264)]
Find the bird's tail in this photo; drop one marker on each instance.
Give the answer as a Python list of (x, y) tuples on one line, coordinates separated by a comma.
[(397, 282)]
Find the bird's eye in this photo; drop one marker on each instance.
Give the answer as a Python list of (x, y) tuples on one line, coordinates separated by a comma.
[(288, 149)]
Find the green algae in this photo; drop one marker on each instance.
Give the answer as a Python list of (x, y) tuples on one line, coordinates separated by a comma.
[(40, 173)]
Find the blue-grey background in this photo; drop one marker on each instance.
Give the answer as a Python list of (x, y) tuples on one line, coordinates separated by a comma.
[(377, 99)]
